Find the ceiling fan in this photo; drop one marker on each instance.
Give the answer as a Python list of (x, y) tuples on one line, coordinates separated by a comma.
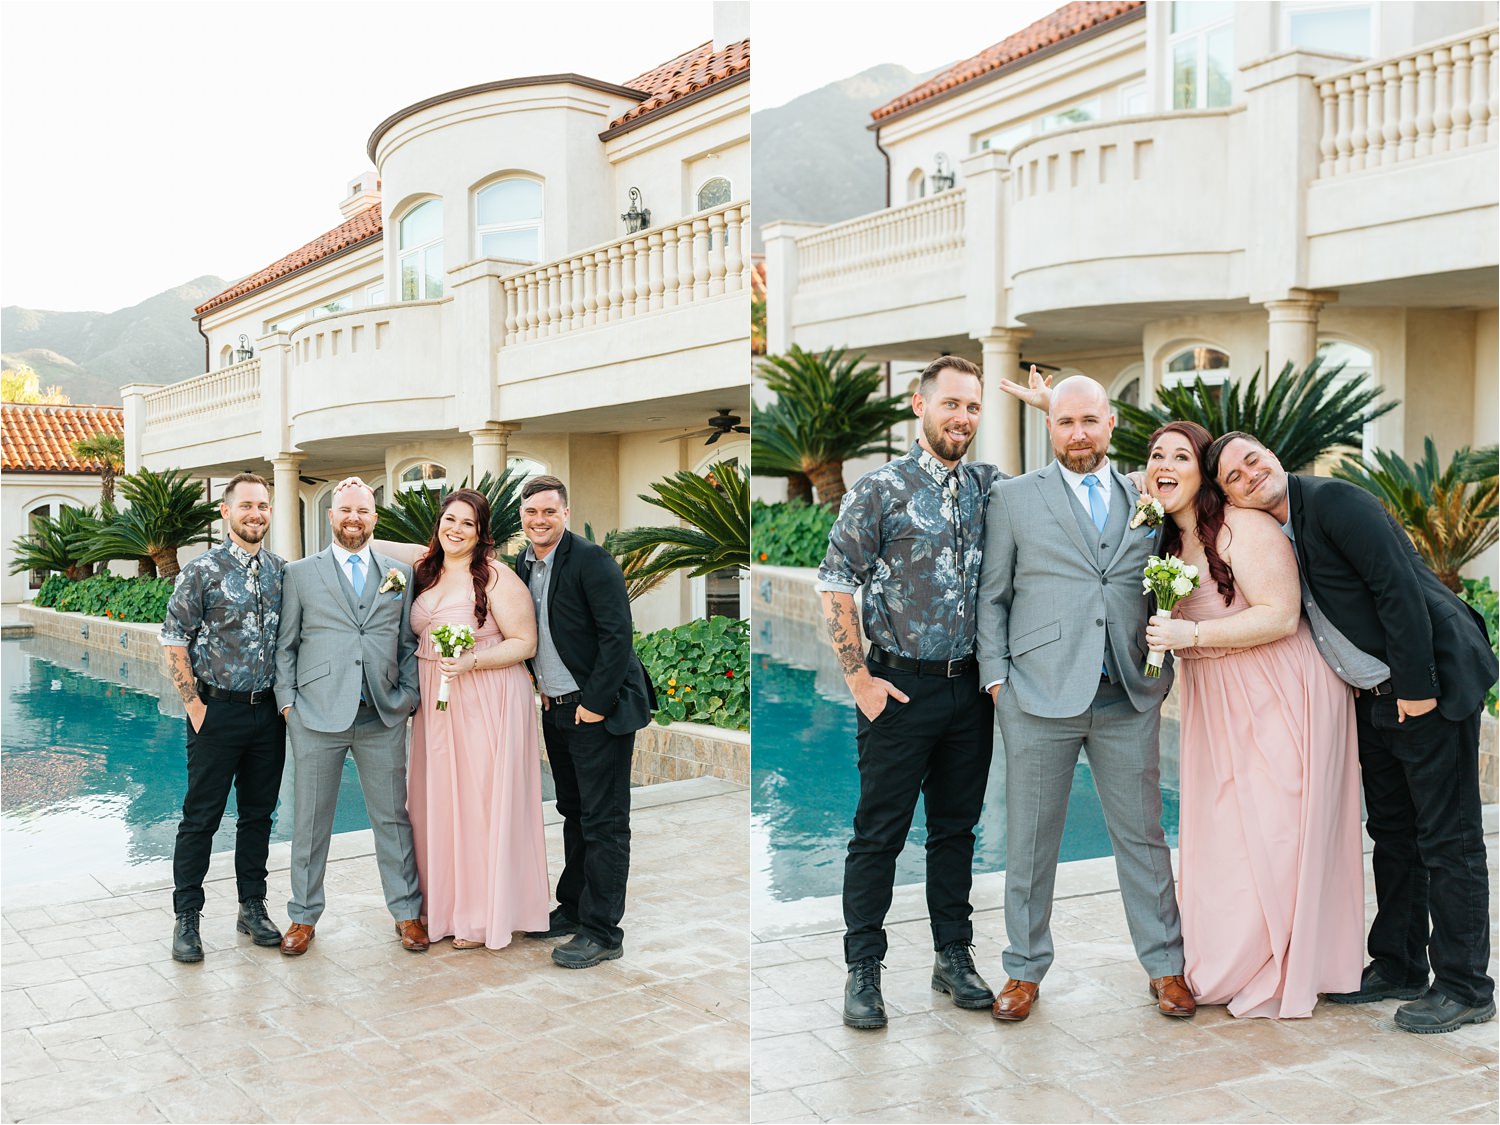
[(720, 424)]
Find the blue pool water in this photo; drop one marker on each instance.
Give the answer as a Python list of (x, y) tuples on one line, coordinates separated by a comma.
[(93, 771), (806, 785)]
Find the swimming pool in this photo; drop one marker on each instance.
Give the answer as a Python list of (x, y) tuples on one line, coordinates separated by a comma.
[(94, 772), (805, 786)]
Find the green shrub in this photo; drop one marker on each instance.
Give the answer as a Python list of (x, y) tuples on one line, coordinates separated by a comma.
[(141, 599), (1479, 594), (793, 534), (90, 596), (701, 672), (51, 590), (108, 595)]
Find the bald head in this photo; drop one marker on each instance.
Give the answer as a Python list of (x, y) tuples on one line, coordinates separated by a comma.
[(1081, 423), (352, 514)]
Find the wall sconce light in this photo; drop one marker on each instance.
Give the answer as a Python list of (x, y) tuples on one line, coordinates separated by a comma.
[(944, 178), (244, 351), (638, 218)]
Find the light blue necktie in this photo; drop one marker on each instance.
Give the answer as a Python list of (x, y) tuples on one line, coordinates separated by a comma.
[(1096, 501), (356, 574)]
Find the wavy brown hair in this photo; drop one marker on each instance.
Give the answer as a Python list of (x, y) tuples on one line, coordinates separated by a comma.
[(1208, 506), (430, 566)]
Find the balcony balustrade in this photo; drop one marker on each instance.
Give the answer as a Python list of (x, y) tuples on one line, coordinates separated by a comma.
[(203, 398), (929, 232)]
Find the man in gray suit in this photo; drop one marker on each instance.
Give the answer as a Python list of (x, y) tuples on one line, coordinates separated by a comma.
[(346, 681), (1061, 642)]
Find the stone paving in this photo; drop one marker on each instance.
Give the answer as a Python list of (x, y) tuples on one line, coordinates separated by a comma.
[(99, 1024), (1094, 1049)]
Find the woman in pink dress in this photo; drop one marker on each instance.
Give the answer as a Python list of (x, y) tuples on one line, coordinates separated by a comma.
[(474, 789), (1271, 880)]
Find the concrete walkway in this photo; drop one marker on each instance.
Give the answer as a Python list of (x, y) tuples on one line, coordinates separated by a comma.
[(99, 1024), (1094, 1049)]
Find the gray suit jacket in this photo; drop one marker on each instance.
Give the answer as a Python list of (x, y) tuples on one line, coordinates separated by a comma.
[(1050, 604), (330, 644)]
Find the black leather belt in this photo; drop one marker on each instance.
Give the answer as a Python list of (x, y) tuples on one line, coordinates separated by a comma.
[(947, 668), (207, 690), (559, 700), (1381, 689)]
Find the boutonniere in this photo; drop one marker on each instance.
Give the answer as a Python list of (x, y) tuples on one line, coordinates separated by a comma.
[(1148, 511), (394, 581)]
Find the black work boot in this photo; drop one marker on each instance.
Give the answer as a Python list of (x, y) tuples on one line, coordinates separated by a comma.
[(864, 1007), (953, 972), (254, 920), (1435, 1013), (186, 945), (1374, 986)]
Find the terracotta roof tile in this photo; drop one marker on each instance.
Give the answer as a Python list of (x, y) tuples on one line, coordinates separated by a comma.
[(1066, 22), (39, 439), (684, 75), (365, 225)]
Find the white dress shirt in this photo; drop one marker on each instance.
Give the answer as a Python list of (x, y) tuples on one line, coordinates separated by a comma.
[(1081, 490), (367, 557)]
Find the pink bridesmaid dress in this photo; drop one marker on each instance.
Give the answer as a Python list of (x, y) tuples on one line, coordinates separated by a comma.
[(1271, 883), (474, 791)]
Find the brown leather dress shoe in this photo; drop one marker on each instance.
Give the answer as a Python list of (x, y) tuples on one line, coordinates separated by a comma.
[(412, 934), (1015, 1000), (295, 941), (1173, 997)]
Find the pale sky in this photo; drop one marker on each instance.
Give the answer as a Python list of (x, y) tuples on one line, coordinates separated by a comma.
[(146, 144)]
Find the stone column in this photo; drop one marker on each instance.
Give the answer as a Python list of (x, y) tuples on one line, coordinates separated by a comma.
[(1292, 331), (286, 530), (133, 395), (782, 264), (999, 440), (491, 450)]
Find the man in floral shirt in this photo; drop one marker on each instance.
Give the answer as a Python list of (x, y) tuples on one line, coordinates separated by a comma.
[(911, 534)]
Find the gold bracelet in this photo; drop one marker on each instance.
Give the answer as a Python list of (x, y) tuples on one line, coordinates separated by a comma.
[(1195, 634)]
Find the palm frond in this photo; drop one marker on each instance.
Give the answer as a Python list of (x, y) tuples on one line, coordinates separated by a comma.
[(412, 516), (717, 514)]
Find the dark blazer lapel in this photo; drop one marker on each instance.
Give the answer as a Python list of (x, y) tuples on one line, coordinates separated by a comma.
[(328, 571), (1054, 492), (558, 560), (1296, 517)]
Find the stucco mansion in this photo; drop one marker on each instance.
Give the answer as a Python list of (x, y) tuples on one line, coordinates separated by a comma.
[(550, 271), (1146, 193)]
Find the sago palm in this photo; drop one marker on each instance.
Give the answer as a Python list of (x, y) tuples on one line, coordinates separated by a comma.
[(827, 411), (716, 510), (59, 544), (1300, 417), (107, 451), (412, 516), (1451, 520), (167, 511)]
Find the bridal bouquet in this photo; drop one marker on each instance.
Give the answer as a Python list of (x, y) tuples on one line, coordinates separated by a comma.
[(450, 642), (1171, 580)]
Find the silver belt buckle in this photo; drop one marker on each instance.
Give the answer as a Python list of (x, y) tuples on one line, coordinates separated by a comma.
[(950, 672)]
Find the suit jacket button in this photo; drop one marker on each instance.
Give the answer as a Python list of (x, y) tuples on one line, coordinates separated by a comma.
[(1104, 581), (356, 663), (1099, 621)]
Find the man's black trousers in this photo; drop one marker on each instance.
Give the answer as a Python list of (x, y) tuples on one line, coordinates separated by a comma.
[(938, 745), (591, 772), (241, 745)]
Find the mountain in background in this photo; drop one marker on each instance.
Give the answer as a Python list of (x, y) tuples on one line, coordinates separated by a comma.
[(91, 355), (814, 158)]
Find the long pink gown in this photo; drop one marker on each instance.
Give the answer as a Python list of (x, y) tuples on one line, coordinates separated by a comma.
[(474, 791), (1271, 883)]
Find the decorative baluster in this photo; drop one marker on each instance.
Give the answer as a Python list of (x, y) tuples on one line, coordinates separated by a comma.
[(1479, 94), (1374, 134), (533, 304), (1341, 138), (700, 259), (685, 290), (653, 258), (564, 298), (1424, 104), (590, 267), (508, 296), (1490, 102), (669, 267), (734, 262), (1408, 69), (627, 278), (1461, 76), (716, 254), (1357, 137), (616, 289), (1442, 109), (1390, 117)]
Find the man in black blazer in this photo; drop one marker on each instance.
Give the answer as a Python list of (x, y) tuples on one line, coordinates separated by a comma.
[(1421, 662), (595, 696)]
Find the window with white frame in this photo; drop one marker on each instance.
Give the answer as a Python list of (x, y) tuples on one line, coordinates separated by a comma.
[(375, 294), (528, 466), (1008, 138), (226, 356), (1201, 47), (916, 185), (1073, 115), (35, 518), (1133, 99), (426, 474), (1345, 29), (1358, 368), (420, 249), (1199, 361), (715, 193), (723, 593), (508, 220)]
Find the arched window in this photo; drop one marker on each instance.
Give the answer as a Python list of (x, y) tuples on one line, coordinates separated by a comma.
[(420, 244), (427, 474), (508, 220), (916, 185), (723, 593), (1200, 361), (226, 356), (715, 193), (530, 466), (1359, 368)]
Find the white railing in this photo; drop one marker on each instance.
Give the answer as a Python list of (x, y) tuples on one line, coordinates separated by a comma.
[(666, 267), (226, 391), (928, 231), (1431, 100)]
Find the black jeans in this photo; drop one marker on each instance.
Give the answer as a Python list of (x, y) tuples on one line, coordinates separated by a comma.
[(1421, 780), (591, 771), (243, 745), (938, 745)]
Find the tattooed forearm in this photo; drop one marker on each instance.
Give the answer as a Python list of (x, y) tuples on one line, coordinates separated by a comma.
[(182, 673), (843, 631)]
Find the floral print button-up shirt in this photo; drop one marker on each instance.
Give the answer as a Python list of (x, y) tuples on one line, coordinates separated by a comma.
[(225, 610)]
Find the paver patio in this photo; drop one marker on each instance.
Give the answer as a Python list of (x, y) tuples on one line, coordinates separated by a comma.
[(1094, 1049), (99, 1024)]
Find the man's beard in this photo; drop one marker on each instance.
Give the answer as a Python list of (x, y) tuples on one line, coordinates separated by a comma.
[(1081, 460), (939, 443), (349, 542), (249, 533)]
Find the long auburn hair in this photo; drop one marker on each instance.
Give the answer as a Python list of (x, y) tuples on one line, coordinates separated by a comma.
[(1208, 507), (430, 566)]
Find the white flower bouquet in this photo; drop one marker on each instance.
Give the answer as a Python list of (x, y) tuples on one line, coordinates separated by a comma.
[(1170, 580), (449, 642)]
